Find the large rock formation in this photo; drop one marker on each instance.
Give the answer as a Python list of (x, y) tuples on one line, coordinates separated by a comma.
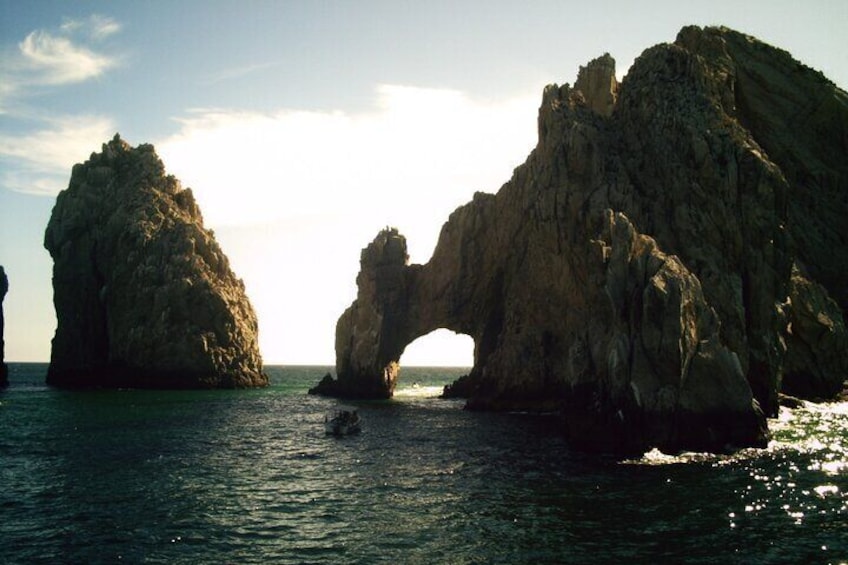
[(4, 370), (144, 296), (635, 272)]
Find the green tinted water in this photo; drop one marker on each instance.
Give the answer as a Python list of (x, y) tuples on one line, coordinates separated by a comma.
[(250, 477)]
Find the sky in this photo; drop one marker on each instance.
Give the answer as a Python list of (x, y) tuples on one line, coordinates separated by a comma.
[(303, 128)]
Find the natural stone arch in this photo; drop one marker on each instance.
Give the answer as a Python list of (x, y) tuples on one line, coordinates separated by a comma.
[(624, 345), (634, 272), (396, 304), (570, 307)]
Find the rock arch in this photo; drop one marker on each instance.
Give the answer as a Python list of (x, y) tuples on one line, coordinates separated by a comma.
[(396, 304), (634, 273)]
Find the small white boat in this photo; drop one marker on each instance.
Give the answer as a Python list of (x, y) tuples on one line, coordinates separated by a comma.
[(342, 421)]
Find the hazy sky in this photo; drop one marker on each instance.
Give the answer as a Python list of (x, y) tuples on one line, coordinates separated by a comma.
[(304, 128)]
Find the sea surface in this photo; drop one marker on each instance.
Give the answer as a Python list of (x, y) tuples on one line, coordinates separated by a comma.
[(250, 477)]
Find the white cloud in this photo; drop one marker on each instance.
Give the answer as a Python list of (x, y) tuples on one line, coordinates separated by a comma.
[(237, 72), (40, 162), (96, 26), (55, 58), (415, 157), (294, 196)]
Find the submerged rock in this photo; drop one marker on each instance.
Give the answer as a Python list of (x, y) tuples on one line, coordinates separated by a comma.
[(634, 273), (4, 370), (144, 296)]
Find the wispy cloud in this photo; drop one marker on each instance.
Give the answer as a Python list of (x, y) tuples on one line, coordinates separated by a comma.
[(40, 162), (237, 72), (57, 60), (96, 26), (56, 57)]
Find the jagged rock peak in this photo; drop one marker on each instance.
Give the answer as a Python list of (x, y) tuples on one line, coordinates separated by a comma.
[(144, 296), (388, 248), (636, 271), (597, 82), (596, 88)]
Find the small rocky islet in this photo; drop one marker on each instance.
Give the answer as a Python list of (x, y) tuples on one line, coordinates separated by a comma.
[(4, 370), (144, 296), (669, 259)]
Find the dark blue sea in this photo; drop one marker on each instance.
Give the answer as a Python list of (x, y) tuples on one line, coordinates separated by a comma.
[(250, 477)]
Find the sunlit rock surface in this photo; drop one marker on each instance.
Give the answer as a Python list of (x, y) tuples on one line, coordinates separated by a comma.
[(144, 296), (634, 274)]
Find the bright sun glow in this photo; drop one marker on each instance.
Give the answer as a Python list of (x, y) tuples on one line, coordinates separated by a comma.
[(294, 196), (250, 168)]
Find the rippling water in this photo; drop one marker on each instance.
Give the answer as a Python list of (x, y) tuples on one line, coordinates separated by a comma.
[(250, 477)]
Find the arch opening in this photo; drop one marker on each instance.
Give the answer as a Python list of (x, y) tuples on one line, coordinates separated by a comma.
[(432, 361)]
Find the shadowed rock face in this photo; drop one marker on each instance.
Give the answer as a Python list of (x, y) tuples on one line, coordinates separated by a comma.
[(817, 342), (4, 370), (634, 273), (144, 296)]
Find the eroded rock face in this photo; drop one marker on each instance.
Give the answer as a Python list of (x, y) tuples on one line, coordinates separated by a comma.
[(598, 85), (4, 370), (144, 296), (816, 365), (371, 359), (634, 273)]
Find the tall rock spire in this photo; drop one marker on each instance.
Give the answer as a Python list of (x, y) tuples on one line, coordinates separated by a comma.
[(144, 295), (598, 84)]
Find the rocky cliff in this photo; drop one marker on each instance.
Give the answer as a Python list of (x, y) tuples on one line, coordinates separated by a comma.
[(4, 370), (144, 296), (636, 273)]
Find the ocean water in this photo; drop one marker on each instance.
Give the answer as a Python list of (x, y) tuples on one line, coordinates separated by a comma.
[(250, 477)]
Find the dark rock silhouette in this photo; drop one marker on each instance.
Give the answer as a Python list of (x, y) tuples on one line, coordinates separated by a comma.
[(634, 273), (817, 342), (144, 296), (4, 370)]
